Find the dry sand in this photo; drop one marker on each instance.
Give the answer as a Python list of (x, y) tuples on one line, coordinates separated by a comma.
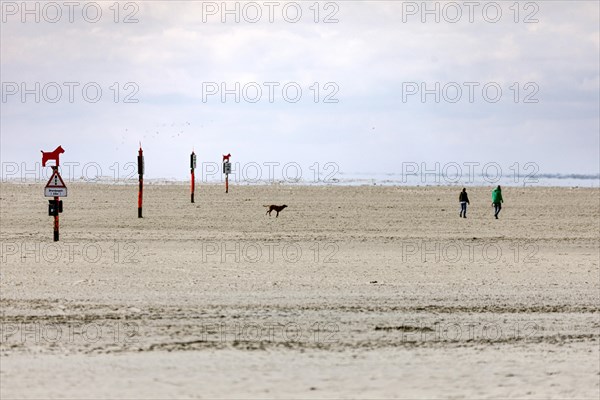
[(352, 292)]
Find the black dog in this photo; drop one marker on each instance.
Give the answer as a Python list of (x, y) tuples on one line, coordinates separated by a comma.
[(273, 207)]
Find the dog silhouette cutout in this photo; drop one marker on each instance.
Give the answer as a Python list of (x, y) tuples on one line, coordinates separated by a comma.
[(51, 155), (226, 157)]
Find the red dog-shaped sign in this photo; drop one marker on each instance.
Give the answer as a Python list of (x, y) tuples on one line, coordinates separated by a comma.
[(226, 157), (51, 155)]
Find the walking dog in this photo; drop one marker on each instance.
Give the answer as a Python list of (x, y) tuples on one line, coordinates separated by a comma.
[(275, 208)]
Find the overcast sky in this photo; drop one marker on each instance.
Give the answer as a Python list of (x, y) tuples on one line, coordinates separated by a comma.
[(365, 64)]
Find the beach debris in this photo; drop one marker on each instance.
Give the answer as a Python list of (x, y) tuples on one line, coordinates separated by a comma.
[(404, 328)]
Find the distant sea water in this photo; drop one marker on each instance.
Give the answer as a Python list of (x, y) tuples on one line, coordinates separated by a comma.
[(397, 179), (361, 179)]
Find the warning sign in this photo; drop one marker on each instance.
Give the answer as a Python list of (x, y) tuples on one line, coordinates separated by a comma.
[(55, 186)]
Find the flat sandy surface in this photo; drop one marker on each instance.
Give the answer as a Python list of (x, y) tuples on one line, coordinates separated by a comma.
[(352, 292)]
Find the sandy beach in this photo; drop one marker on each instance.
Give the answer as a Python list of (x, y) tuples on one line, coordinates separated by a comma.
[(354, 292)]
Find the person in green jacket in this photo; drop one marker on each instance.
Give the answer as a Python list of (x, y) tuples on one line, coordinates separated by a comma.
[(497, 200)]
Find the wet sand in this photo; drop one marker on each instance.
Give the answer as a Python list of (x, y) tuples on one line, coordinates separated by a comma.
[(352, 292)]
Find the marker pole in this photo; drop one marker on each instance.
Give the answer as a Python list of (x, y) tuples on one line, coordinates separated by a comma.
[(141, 177), (140, 191), (226, 170), (193, 181), (56, 224), (192, 167)]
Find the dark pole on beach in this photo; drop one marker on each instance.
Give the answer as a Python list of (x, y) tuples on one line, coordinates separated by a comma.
[(56, 203), (141, 175), (226, 170), (192, 167)]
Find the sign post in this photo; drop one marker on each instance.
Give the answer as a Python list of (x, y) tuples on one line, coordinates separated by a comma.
[(141, 177), (226, 170), (192, 167), (54, 188)]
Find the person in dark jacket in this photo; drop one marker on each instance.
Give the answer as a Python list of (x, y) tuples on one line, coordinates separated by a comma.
[(497, 200), (463, 198)]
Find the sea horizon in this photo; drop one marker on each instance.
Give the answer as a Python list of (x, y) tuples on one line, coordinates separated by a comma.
[(348, 179)]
